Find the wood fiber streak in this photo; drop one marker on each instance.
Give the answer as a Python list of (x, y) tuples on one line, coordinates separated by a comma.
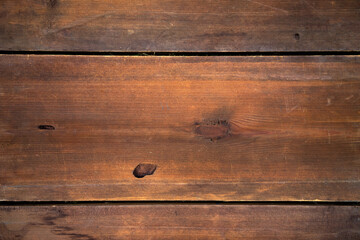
[(215, 128), (175, 26), (93, 222)]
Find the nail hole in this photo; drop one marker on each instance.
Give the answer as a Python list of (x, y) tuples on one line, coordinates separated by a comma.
[(144, 169), (297, 36), (46, 127)]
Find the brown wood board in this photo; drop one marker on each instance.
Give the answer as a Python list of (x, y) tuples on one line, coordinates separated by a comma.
[(210, 128), (178, 26), (179, 222)]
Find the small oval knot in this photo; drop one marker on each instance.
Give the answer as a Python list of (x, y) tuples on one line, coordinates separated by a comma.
[(144, 169)]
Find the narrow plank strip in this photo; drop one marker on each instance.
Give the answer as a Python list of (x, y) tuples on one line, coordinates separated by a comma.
[(179, 222), (187, 25), (211, 128)]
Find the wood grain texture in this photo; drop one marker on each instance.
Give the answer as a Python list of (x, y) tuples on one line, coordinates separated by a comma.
[(91, 222), (187, 25), (214, 128)]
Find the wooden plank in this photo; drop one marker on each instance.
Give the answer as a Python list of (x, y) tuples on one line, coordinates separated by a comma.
[(187, 25), (179, 222), (211, 128)]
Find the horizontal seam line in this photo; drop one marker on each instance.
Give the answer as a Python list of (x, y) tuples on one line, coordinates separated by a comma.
[(150, 53), (140, 202)]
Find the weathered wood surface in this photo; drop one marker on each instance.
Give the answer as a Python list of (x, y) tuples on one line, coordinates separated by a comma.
[(179, 222), (210, 128), (173, 25)]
